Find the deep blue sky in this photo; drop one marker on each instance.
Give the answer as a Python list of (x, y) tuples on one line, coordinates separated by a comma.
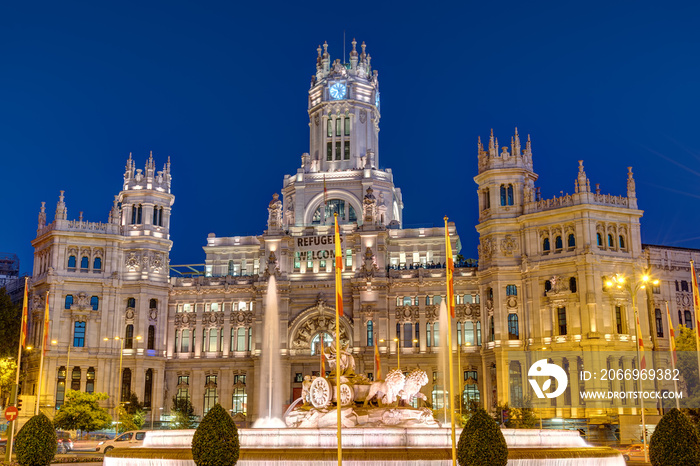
[(222, 88)]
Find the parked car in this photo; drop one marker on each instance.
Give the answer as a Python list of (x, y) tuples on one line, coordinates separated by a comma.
[(65, 443), (129, 439), (634, 452)]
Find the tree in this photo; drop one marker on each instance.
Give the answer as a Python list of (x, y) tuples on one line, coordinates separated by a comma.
[(131, 414), (675, 441), (10, 320), (687, 366), (82, 411), (215, 443), (482, 442), (183, 413), (8, 371), (36, 442)]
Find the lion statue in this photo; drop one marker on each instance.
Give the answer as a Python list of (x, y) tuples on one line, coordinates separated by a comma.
[(387, 391), (416, 379)]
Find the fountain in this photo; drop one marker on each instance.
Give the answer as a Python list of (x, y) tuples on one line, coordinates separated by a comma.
[(269, 400), (380, 428)]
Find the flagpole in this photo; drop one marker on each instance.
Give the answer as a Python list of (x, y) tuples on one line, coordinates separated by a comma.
[(672, 346), (450, 306), (338, 313), (15, 394), (696, 308), (43, 350)]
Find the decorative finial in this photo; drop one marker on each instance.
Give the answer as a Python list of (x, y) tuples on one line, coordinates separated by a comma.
[(319, 51)]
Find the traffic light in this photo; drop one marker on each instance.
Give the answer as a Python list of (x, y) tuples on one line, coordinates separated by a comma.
[(19, 404)]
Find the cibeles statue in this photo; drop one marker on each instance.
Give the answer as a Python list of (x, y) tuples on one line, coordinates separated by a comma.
[(347, 360), (274, 213)]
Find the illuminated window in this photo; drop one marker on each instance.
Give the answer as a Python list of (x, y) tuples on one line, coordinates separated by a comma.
[(90, 381), (60, 387), (561, 320), (618, 319), (320, 341), (210, 394), (370, 333), (240, 396), (75, 379), (513, 333)]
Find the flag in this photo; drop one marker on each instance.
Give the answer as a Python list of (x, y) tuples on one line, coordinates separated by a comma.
[(338, 270), (643, 363), (696, 297), (46, 324), (377, 362), (23, 325), (671, 335), (450, 273)]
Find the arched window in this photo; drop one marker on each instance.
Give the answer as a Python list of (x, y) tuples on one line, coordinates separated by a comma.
[(151, 341), (84, 262), (69, 301), (659, 323), (148, 389), (547, 286), (139, 212), (510, 194), (688, 319), (90, 382), (131, 302), (407, 301), (79, 334), (471, 394), (513, 332), (126, 384), (684, 285), (97, 263), (94, 302), (60, 387), (133, 214), (572, 284), (129, 337), (320, 341), (621, 240), (545, 245), (611, 241), (599, 239), (572, 240), (558, 244), (503, 195), (71, 262), (75, 379), (370, 333), (153, 303), (346, 212)]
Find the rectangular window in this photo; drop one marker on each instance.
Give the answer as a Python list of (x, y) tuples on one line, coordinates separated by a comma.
[(330, 128), (370, 333), (240, 343), (511, 290), (618, 319), (250, 339), (297, 260), (561, 317), (322, 265), (329, 151), (348, 258), (478, 333), (407, 335), (428, 335), (346, 150), (347, 126), (337, 150), (213, 337), (79, 335), (338, 126), (185, 343)]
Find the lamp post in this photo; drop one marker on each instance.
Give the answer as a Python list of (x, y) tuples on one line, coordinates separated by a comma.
[(632, 287), (119, 380), (398, 353)]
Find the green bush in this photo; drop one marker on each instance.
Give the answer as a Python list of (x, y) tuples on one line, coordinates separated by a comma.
[(674, 441), (215, 443), (36, 442), (481, 442)]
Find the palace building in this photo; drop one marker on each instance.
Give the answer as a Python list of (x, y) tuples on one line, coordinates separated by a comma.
[(536, 289)]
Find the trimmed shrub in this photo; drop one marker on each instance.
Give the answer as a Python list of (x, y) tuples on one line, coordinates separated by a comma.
[(481, 442), (674, 441), (35, 444), (215, 443)]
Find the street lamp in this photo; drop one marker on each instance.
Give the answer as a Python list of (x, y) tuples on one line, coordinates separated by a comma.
[(119, 380), (619, 282)]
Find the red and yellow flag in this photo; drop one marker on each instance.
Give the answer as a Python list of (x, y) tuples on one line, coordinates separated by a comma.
[(696, 297), (450, 273), (46, 324), (377, 362), (338, 270), (23, 326), (671, 335), (643, 361)]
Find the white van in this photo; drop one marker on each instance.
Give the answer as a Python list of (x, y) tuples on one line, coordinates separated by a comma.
[(129, 439)]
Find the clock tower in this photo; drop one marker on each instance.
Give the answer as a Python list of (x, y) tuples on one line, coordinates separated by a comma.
[(340, 173), (344, 112)]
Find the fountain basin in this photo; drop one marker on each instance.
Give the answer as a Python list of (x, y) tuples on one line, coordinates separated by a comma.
[(365, 447)]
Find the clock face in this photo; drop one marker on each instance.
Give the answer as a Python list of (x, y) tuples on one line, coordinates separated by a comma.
[(338, 91)]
